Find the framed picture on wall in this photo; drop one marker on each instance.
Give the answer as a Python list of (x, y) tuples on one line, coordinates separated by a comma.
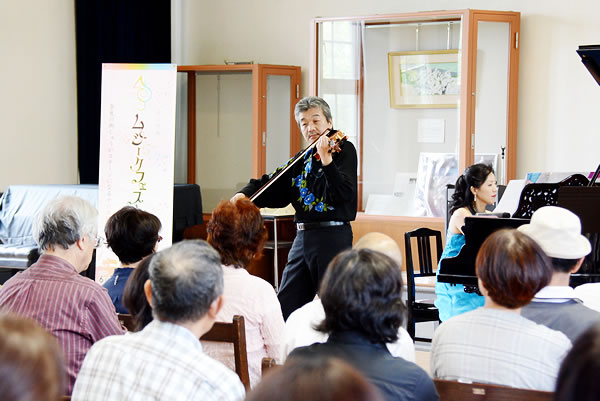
[(424, 79)]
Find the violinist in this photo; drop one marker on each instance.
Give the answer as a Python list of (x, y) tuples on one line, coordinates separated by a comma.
[(322, 189)]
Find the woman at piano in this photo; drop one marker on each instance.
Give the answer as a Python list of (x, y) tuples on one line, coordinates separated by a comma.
[(475, 189)]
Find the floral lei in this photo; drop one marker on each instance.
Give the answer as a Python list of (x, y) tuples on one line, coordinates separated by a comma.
[(306, 197)]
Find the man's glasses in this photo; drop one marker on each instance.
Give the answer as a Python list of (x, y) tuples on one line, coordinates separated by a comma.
[(99, 241)]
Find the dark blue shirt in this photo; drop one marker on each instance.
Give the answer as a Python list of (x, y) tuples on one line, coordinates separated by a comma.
[(115, 286)]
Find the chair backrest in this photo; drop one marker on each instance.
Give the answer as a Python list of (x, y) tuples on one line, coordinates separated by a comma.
[(126, 321), (235, 333), (267, 364), (427, 265), (457, 391)]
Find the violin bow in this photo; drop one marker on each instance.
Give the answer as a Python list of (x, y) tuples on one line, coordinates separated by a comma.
[(328, 132)]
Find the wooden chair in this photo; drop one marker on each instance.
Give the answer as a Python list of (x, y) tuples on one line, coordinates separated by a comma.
[(65, 398), (268, 364), (421, 310), (457, 391), (126, 320), (235, 333)]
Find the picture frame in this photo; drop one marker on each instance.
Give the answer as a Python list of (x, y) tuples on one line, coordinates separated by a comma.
[(424, 79)]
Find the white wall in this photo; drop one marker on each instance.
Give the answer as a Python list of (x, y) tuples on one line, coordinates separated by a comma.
[(38, 111), (558, 100)]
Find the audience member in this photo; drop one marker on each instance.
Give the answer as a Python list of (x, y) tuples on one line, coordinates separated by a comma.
[(314, 379), (578, 375), (31, 366), (132, 234), (165, 360), (589, 294), (495, 344), (474, 190), (362, 297), (558, 232), (237, 231), (300, 326), (134, 298), (75, 309)]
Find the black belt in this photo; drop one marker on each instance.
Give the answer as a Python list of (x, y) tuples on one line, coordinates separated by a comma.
[(319, 224)]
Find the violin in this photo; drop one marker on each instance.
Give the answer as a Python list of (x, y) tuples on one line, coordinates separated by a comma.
[(336, 138)]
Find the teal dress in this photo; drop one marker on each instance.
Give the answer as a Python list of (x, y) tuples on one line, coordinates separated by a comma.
[(451, 299)]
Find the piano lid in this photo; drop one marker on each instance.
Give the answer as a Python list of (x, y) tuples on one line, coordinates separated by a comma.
[(590, 57)]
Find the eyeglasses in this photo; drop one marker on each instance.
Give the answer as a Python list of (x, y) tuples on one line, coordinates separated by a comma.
[(99, 241)]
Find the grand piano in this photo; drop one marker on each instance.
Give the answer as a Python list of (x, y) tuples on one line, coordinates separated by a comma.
[(576, 193)]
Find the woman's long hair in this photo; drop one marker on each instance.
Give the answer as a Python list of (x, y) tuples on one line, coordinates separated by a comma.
[(474, 176)]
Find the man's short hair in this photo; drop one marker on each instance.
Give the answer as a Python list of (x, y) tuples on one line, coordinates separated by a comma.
[(362, 292), (63, 221), (132, 233), (309, 102), (512, 267), (186, 278)]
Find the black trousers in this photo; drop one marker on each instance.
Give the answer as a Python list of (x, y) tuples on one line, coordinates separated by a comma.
[(308, 258)]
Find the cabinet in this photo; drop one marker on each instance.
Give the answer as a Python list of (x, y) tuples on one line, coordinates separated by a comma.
[(422, 96), (238, 120)]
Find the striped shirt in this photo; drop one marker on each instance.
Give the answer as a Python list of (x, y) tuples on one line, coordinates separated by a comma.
[(75, 309), (162, 362), (499, 347)]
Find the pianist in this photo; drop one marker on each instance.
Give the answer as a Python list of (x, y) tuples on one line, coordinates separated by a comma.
[(474, 190), (558, 232)]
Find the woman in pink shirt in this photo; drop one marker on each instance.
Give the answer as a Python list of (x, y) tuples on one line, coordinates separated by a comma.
[(237, 231)]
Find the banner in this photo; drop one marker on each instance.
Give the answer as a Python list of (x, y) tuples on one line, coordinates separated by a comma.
[(137, 146)]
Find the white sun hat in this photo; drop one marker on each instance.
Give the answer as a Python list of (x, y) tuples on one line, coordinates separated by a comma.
[(558, 232)]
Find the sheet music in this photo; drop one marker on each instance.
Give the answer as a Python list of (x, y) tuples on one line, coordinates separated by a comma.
[(510, 199)]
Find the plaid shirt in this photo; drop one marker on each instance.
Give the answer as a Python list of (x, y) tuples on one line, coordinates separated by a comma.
[(499, 347), (75, 309), (163, 362)]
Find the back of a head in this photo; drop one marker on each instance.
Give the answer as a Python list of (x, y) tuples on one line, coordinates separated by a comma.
[(237, 231), (512, 268), (31, 367), (186, 278), (132, 233), (382, 243), (63, 221), (578, 375), (134, 298), (473, 176), (362, 292), (314, 378)]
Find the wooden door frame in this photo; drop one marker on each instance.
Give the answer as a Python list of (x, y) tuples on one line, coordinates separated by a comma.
[(259, 74)]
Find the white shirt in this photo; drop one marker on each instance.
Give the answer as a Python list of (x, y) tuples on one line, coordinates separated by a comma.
[(255, 299), (499, 347), (163, 362), (556, 294), (299, 332)]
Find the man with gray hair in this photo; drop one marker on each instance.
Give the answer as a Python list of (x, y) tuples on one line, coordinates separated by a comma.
[(322, 188), (75, 309), (165, 360)]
